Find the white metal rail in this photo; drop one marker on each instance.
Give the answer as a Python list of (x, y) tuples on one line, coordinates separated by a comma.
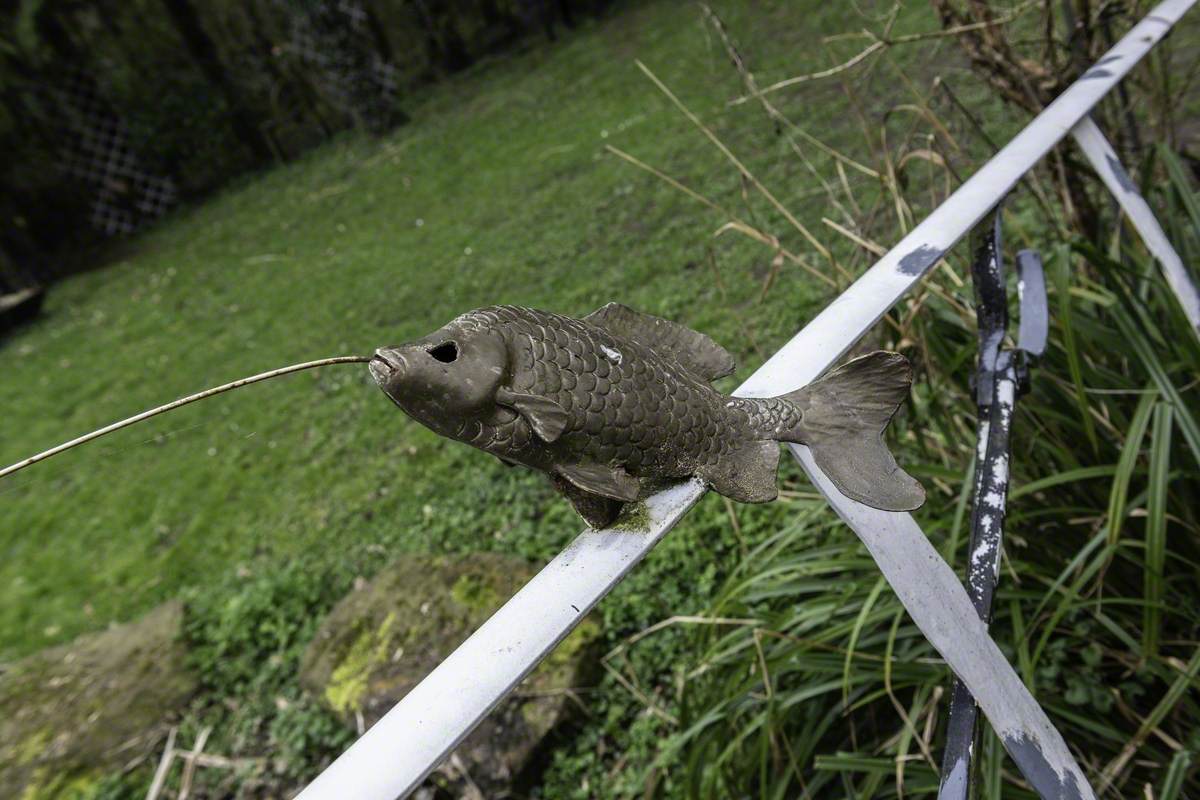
[(394, 756), (1104, 160)]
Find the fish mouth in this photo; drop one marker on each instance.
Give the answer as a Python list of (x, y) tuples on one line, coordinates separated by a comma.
[(384, 364)]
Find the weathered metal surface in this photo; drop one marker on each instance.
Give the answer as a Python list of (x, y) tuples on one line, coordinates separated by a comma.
[(1000, 379), (614, 404), (1104, 160), (937, 603), (393, 757)]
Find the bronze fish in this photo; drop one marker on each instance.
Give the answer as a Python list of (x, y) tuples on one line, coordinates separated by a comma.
[(612, 404)]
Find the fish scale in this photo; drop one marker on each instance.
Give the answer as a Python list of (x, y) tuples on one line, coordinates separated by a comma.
[(564, 364), (609, 404)]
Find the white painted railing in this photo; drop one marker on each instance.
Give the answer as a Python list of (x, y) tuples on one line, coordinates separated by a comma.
[(394, 756)]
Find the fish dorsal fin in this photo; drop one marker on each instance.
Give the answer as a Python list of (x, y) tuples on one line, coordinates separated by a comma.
[(547, 418), (694, 351), (606, 481)]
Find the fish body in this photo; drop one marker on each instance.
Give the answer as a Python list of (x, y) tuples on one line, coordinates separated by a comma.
[(611, 404)]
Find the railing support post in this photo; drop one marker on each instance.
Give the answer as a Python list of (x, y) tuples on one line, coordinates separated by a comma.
[(1001, 377)]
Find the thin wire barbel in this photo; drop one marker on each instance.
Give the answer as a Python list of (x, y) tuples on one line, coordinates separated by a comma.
[(183, 401)]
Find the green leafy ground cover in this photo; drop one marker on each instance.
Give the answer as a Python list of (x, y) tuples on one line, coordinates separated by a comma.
[(260, 508)]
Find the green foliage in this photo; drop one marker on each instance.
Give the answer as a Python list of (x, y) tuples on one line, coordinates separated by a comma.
[(263, 506), (1083, 611), (250, 632), (24, 29), (126, 786), (303, 737), (246, 639), (818, 685), (301, 485)]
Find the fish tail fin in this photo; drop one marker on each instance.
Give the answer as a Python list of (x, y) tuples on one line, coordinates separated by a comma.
[(844, 415)]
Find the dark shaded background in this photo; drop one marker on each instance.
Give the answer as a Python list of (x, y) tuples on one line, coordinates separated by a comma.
[(112, 112)]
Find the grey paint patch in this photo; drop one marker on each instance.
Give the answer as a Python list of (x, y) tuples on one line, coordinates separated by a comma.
[(1159, 20), (1041, 774), (1094, 73), (955, 784), (1108, 59), (919, 260), (1122, 176)]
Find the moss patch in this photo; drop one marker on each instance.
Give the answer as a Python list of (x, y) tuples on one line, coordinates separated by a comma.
[(33, 746), (45, 785), (475, 593), (635, 517), (348, 683), (71, 713), (382, 639)]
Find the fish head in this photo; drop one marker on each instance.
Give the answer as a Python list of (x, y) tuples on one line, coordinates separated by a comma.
[(445, 377)]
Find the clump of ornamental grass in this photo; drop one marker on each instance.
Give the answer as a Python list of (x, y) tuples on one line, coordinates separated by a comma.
[(808, 677)]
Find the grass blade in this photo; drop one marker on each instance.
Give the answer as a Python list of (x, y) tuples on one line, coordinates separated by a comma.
[(1156, 528), (1126, 465)]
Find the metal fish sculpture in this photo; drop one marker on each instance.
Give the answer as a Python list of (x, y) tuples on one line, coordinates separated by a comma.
[(613, 404)]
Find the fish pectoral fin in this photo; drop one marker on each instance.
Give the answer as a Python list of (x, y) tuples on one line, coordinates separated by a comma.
[(611, 482), (597, 511), (506, 462), (547, 418), (748, 474), (694, 351)]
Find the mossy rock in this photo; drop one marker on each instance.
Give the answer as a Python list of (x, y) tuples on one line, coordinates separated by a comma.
[(71, 713), (383, 638)]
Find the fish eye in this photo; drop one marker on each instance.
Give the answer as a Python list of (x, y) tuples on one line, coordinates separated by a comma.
[(446, 352)]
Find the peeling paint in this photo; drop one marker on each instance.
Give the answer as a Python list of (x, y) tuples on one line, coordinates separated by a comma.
[(919, 260), (1100, 153), (1058, 782), (613, 355), (955, 784), (1119, 171), (1000, 470)]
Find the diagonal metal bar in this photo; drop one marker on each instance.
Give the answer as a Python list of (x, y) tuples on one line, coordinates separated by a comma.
[(1104, 160), (395, 755)]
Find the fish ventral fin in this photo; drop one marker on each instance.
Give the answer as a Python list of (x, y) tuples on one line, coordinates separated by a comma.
[(612, 482), (547, 418), (844, 416), (597, 511), (694, 351), (748, 474)]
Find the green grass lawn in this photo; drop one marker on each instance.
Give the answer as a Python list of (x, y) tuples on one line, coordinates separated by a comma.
[(500, 190)]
